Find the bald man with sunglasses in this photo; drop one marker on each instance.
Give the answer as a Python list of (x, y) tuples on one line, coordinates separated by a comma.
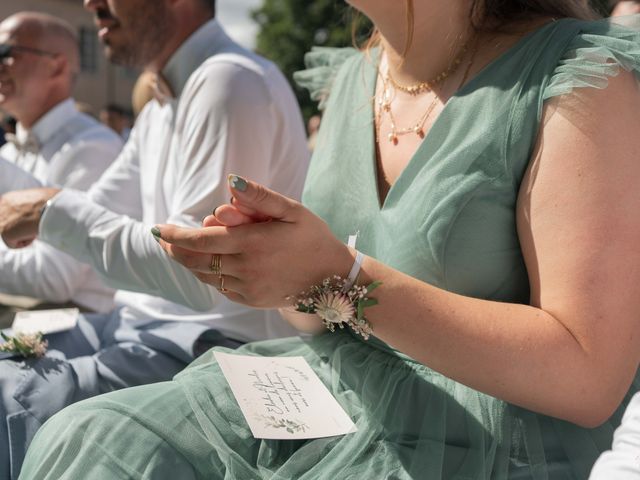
[(55, 144)]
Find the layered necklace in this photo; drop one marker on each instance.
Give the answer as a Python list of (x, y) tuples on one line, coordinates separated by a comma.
[(390, 87)]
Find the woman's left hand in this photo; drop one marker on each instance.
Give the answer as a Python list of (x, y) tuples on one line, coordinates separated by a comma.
[(263, 264)]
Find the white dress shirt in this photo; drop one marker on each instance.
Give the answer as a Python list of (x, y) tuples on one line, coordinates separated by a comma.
[(13, 177), (622, 462), (66, 149), (233, 112)]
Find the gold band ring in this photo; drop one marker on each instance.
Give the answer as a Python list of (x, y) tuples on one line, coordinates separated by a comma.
[(221, 288), (216, 264)]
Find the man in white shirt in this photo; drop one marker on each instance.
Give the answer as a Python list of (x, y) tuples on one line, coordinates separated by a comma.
[(219, 110), (13, 177), (56, 145)]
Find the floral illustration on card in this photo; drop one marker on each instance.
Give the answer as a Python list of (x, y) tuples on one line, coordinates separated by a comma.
[(291, 426)]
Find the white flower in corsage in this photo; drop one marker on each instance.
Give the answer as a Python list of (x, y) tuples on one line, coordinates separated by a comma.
[(24, 344), (334, 307), (338, 304)]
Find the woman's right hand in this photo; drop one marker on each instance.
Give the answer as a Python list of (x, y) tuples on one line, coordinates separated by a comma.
[(264, 263)]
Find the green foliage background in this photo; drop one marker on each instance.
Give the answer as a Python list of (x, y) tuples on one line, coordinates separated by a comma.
[(289, 28)]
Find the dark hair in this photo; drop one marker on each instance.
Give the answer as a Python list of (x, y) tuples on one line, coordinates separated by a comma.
[(496, 13)]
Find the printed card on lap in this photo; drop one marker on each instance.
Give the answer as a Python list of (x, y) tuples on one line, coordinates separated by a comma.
[(282, 397), (45, 321)]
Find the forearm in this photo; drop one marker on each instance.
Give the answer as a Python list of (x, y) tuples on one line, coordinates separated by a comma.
[(121, 250), (518, 353)]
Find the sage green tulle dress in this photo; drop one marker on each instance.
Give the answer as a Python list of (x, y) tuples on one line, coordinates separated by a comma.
[(448, 220)]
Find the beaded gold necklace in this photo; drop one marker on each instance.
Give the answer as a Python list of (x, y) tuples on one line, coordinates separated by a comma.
[(418, 88), (390, 86)]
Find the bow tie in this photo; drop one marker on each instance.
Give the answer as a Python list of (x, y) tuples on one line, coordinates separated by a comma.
[(30, 145)]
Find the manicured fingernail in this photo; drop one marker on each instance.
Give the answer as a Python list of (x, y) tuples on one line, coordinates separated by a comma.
[(155, 231), (237, 183)]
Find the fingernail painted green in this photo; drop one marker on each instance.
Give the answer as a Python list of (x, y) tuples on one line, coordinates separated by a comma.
[(237, 183), (156, 232)]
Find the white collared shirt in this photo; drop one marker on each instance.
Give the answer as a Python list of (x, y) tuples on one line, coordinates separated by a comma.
[(74, 151), (13, 177), (234, 113)]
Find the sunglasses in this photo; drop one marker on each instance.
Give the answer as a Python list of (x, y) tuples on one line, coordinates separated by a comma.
[(7, 51)]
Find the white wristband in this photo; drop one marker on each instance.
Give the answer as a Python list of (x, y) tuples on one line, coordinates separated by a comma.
[(357, 264)]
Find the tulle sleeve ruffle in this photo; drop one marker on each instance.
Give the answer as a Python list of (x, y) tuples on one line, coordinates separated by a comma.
[(597, 53), (322, 65)]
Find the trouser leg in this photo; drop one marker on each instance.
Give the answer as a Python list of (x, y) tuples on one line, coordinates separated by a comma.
[(31, 390)]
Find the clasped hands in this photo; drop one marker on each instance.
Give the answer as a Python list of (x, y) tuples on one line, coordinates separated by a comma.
[(20, 215), (270, 247)]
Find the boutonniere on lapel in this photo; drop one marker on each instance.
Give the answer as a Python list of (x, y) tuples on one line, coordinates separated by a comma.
[(27, 345)]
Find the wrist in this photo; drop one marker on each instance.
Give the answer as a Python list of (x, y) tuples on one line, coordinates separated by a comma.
[(340, 298), (338, 261)]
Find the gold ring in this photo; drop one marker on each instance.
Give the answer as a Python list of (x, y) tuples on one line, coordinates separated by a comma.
[(222, 289), (216, 264)]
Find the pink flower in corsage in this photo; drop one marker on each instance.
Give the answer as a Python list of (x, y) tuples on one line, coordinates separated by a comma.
[(338, 304), (334, 307), (24, 344)]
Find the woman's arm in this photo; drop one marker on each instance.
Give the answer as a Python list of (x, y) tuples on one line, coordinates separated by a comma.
[(579, 227), (573, 352)]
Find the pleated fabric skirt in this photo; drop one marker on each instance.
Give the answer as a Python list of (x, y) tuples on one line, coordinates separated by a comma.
[(413, 423)]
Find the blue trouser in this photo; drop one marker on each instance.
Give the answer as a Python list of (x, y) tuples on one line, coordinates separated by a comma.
[(101, 354)]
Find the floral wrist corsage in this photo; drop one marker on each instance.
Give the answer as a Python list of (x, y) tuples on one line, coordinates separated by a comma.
[(338, 303), (24, 344)]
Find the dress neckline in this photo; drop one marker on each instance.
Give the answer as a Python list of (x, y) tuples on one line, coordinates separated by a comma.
[(395, 189)]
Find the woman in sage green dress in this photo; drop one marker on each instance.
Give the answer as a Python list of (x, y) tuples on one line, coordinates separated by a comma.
[(490, 163)]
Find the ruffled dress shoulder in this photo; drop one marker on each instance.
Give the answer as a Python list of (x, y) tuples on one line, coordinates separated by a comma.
[(448, 220), (322, 65), (599, 51)]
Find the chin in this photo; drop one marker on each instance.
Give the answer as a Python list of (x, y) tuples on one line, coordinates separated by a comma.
[(118, 56)]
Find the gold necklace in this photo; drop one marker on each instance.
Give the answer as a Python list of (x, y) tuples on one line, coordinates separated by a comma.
[(427, 86), (388, 95), (384, 107)]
